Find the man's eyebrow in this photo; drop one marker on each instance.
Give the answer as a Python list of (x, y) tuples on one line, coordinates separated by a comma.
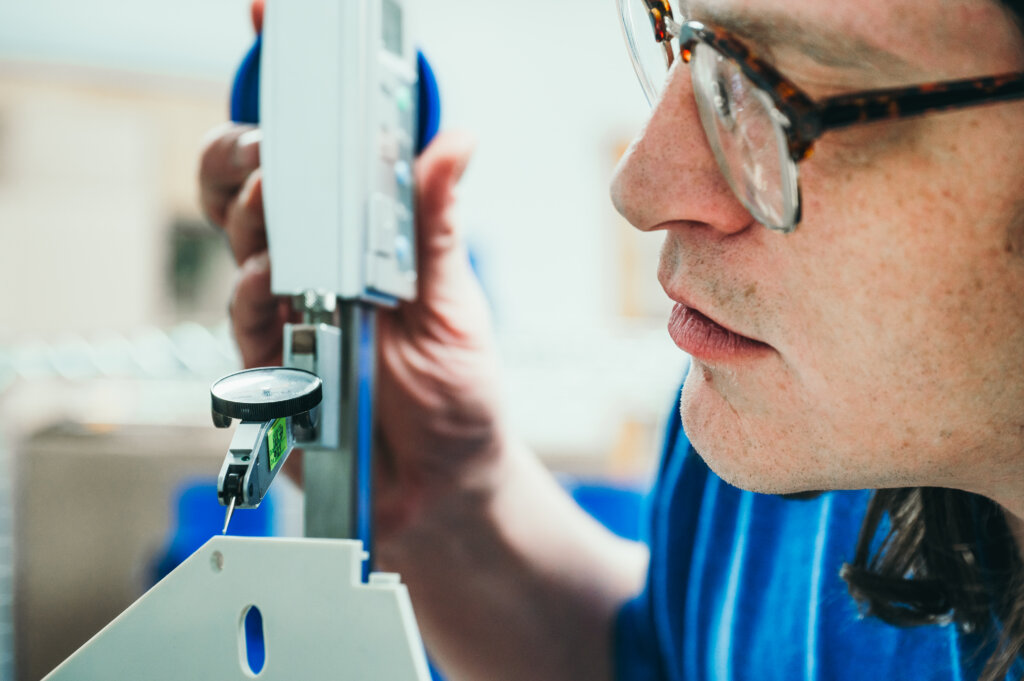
[(770, 31)]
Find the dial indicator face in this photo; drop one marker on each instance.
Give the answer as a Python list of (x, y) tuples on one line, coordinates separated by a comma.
[(266, 393)]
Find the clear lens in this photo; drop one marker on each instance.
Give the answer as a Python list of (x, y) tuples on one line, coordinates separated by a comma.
[(648, 55), (747, 135)]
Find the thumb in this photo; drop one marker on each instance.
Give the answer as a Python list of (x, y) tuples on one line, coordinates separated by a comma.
[(438, 171)]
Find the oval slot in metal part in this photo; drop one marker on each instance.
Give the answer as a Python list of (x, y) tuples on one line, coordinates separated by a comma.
[(252, 646)]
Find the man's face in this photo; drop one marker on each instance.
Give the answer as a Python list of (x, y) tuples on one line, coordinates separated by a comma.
[(892, 320)]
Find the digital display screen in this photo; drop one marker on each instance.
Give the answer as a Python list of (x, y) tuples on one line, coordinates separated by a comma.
[(392, 19)]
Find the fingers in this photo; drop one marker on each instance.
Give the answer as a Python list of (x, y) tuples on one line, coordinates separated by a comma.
[(244, 222), (257, 316), (438, 171), (231, 153), (231, 188)]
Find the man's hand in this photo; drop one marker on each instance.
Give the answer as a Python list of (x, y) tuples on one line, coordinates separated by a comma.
[(438, 420), (438, 411)]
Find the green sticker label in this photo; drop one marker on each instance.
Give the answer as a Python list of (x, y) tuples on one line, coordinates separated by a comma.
[(277, 442)]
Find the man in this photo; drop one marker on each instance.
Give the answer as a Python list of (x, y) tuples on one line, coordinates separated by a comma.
[(878, 345)]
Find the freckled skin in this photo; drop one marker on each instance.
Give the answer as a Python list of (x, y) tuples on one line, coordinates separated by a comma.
[(896, 309)]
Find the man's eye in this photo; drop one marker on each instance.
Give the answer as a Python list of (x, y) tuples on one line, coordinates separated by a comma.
[(723, 103)]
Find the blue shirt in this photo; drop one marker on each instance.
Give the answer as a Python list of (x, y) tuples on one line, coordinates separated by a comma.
[(747, 586)]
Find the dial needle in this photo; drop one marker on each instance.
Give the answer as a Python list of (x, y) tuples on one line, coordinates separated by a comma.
[(227, 518)]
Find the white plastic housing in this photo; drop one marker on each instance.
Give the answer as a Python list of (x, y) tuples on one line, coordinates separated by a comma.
[(338, 112)]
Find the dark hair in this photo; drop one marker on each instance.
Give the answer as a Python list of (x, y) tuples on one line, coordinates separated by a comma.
[(946, 555), (1017, 7)]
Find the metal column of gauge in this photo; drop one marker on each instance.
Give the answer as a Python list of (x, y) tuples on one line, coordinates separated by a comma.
[(338, 342)]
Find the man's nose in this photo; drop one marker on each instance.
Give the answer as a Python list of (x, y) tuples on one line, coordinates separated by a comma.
[(669, 173)]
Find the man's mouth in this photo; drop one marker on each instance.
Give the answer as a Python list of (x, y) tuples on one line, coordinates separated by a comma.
[(707, 340)]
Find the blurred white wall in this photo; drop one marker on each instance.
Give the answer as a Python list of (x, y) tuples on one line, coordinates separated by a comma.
[(549, 89), (199, 38)]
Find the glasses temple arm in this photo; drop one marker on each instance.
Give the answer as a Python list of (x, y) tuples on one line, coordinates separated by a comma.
[(879, 105)]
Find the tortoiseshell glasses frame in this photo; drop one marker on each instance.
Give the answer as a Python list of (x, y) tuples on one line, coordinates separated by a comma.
[(799, 120)]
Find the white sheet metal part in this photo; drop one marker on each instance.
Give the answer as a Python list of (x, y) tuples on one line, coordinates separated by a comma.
[(319, 622)]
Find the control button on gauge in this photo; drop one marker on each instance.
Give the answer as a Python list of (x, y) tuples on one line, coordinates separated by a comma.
[(384, 225), (403, 252), (403, 98), (403, 174)]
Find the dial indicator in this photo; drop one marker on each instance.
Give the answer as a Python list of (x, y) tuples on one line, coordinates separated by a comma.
[(266, 393)]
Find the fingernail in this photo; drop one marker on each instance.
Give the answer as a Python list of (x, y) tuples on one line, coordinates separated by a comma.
[(247, 149), (257, 263)]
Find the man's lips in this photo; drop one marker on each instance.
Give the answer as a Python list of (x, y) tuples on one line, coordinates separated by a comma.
[(705, 339)]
